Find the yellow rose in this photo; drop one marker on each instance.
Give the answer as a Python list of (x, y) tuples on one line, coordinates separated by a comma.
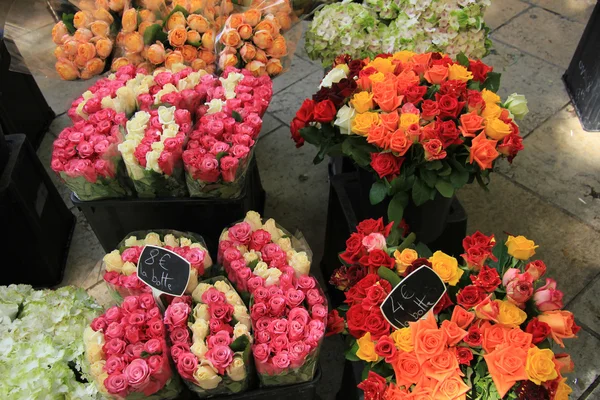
[(176, 20), (403, 56), (383, 65), (237, 369), (363, 122), (520, 247), (113, 261), (407, 119), (93, 352), (459, 73), (97, 368), (563, 391), (540, 365), (496, 128), (376, 77), (199, 349), (403, 339), (362, 101), (129, 268), (404, 259), (366, 349), (490, 97), (446, 267), (206, 377), (509, 314), (491, 110)]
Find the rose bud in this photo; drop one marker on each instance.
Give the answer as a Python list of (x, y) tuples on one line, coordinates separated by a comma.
[(174, 57), (143, 26), (261, 56), (177, 37), (116, 5), (231, 38), (198, 23), (83, 35), (156, 53), (248, 52), (245, 31), (274, 67), (189, 53), (269, 25), (198, 64), (129, 21), (58, 32), (176, 20), (133, 42), (548, 298), (235, 20), (82, 19), (263, 39), (208, 40), (101, 14), (564, 363), (100, 28), (256, 67), (104, 47), (252, 17), (536, 269), (92, 68), (227, 60), (118, 63), (85, 52), (279, 48), (66, 69), (194, 38)]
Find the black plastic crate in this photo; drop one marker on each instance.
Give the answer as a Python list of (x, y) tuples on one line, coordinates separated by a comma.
[(37, 223), (112, 219)]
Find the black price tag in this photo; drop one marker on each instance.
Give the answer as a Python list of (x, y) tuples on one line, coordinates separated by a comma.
[(163, 270), (413, 297)]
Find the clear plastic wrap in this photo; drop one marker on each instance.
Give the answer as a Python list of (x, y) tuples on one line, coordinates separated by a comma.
[(119, 266), (211, 337)]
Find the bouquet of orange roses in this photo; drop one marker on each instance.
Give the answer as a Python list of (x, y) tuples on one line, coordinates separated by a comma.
[(488, 337), (421, 123)]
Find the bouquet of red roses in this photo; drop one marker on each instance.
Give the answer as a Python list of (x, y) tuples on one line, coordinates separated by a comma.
[(421, 123), (289, 322), (487, 337), (127, 351)]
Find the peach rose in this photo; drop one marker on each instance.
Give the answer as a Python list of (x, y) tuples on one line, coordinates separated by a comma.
[(70, 47), (235, 20), (493, 336), (134, 42), (118, 63), (257, 68), (462, 317), (207, 56), (407, 369), (58, 32), (248, 52), (562, 324), (506, 365), (177, 37), (120, 39), (174, 57), (231, 37), (135, 58), (102, 14), (156, 53), (268, 24), (436, 74), (59, 52), (176, 20), (85, 52), (189, 53), (487, 309), (147, 15), (400, 142), (263, 39), (104, 47), (441, 366), (100, 29), (143, 26), (93, 67), (379, 136), (181, 3), (117, 5), (252, 17), (470, 124), (198, 64), (519, 338), (563, 362), (227, 60), (284, 20), (453, 332), (198, 23), (82, 19), (208, 40), (483, 151), (194, 38), (67, 70), (452, 387), (83, 35), (261, 56), (274, 67), (386, 96), (129, 21)]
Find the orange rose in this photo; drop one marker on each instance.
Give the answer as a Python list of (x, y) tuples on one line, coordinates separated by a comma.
[(58, 32), (284, 20), (362, 101), (208, 57), (177, 37), (487, 309), (506, 365), (263, 39), (174, 57), (181, 3), (279, 48), (393, 392), (176, 20), (519, 338), (149, 4), (483, 151), (274, 67), (470, 124), (386, 96), (252, 17), (198, 64), (407, 369), (261, 56), (563, 390), (429, 343), (156, 53), (101, 14), (235, 20), (147, 15), (562, 324), (93, 67), (129, 21), (462, 317), (135, 58), (441, 366), (198, 23), (421, 60), (194, 38), (269, 25), (59, 53), (399, 142), (189, 53), (82, 19), (248, 52), (453, 332), (452, 387), (231, 37), (436, 74), (104, 47), (85, 52), (245, 31), (379, 136), (257, 68), (391, 121), (83, 35), (133, 42), (406, 79), (208, 40), (100, 28), (563, 362), (67, 70), (493, 336)]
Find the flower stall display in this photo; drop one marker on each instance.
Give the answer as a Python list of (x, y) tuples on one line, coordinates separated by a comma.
[(387, 26), (221, 146), (210, 333), (41, 349), (489, 337), (127, 352), (254, 254), (120, 265), (422, 124), (289, 322)]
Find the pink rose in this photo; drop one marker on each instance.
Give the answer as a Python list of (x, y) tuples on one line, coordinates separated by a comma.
[(297, 330), (80, 167), (220, 357), (548, 298), (286, 281), (281, 361), (261, 293), (186, 365), (374, 241), (155, 328), (245, 140), (238, 265), (131, 254), (294, 297), (319, 311), (114, 330), (177, 314), (314, 337), (258, 310), (221, 338), (317, 325), (229, 168), (313, 296), (278, 327), (240, 233), (306, 282), (99, 324), (219, 147), (262, 324), (240, 151), (156, 364), (103, 128), (299, 314), (259, 239), (183, 117), (137, 373), (145, 101), (536, 269), (520, 289), (114, 364), (261, 352), (114, 346), (280, 342), (92, 105), (221, 311), (146, 301), (195, 256), (509, 275), (231, 253), (120, 119), (153, 346), (133, 351), (271, 251), (132, 334), (57, 165), (277, 305), (113, 314), (275, 291), (163, 78), (177, 350), (104, 168), (297, 353), (255, 283), (208, 169), (215, 128), (137, 318), (154, 312), (212, 295), (116, 384)]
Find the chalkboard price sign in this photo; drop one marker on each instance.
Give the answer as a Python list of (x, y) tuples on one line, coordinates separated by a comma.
[(413, 297), (163, 270)]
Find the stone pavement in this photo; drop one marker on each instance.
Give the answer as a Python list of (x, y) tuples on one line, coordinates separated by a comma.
[(549, 194)]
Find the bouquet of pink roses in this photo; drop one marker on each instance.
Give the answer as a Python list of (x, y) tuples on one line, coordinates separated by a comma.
[(120, 266), (127, 351), (254, 254), (289, 322), (210, 334)]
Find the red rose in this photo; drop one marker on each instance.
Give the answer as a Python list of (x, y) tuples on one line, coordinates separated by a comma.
[(356, 317), (449, 106), (449, 133), (444, 303), (376, 294), (374, 386), (434, 150), (343, 89), (539, 330), (386, 348), (324, 111), (370, 225), (478, 239), (414, 94), (474, 100), (376, 324), (335, 323), (487, 279), (429, 110), (474, 336), (511, 145), (354, 249), (377, 258), (438, 59), (295, 127), (386, 165), (355, 66), (464, 355), (479, 70), (475, 257), (416, 264), (470, 296), (454, 88), (305, 113)]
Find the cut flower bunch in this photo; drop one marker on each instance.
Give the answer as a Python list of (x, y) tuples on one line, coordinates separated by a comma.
[(421, 123), (489, 337)]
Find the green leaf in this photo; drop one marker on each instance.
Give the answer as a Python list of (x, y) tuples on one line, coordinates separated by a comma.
[(492, 81), (389, 275), (67, 19), (150, 34), (236, 115), (434, 165), (323, 150), (459, 178), (176, 9), (239, 344), (474, 85), (220, 155), (253, 264), (162, 36), (463, 60), (351, 352), (312, 135), (421, 192), (378, 192), (410, 239), (445, 188), (396, 207), (195, 44), (423, 250), (433, 89), (429, 177), (446, 170)]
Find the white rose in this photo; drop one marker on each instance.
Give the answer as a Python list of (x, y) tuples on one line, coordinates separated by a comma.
[(344, 118), (214, 106), (242, 249), (91, 336), (178, 67), (87, 95), (131, 241), (113, 261), (185, 242), (517, 105), (127, 147), (97, 368), (253, 218), (199, 330), (108, 102), (233, 298), (251, 256), (271, 227), (224, 235), (285, 244), (300, 263), (240, 330), (200, 289), (137, 125), (273, 275), (152, 161), (201, 312), (100, 381), (334, 76), (222, 286), (171, 240), (153, 239), (261, 269), (237, 370), (169, 131), (126, 100), (166, 115), (193, 282), (168, 88), (158, 146), (206, 377), (240, 313), (79, 110), (199, 349), (129, 268)]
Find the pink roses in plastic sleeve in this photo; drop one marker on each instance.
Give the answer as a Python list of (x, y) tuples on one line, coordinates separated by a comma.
[(211, 339), (120, 266), (289, 324), (127, 352)]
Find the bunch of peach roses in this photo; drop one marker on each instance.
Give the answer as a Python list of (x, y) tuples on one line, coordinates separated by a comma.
[(488, 337)]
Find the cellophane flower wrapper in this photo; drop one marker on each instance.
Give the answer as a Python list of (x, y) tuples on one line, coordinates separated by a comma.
[(260, 36), (211, 339), (119, 267), (127, 353), (289, 321), (42, 352), (254, 254)]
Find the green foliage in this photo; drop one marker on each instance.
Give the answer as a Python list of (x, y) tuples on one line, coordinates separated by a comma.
[(463, 60), (67, 19), (236, 115), (150, 34), (240, 344), (389, 275), (421, 192), (397, 206), (492, 82), (378, 192)]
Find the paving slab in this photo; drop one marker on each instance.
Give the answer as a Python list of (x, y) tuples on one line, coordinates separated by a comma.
[(584, 353), (299, 69), (579, 10), (285, 103), (270, 123), (58, 124), (566, 244), (102, 295), (560, 163), (543, 34), (539, 81), (586, 307), (499, 12)]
